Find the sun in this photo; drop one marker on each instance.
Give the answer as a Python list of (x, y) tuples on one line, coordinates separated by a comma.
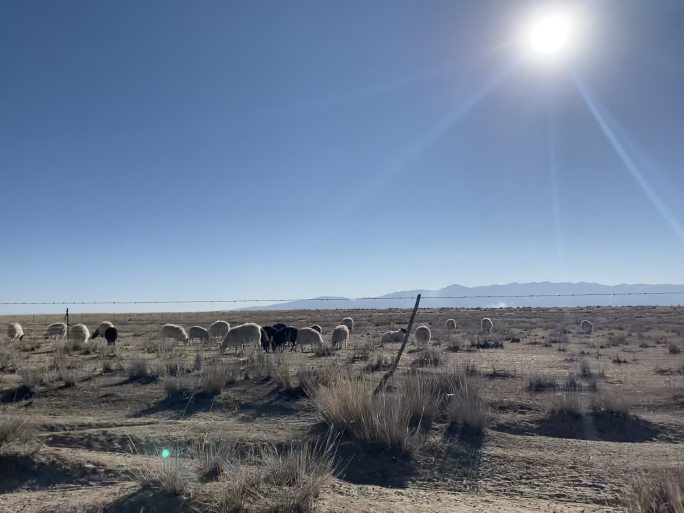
[(551, 33)]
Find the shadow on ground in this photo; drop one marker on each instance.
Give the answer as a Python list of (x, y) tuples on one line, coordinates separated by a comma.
[(597, 426), (148, 501), (18, 471)]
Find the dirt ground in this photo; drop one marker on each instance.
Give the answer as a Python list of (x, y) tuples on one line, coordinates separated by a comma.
[(93, 432)]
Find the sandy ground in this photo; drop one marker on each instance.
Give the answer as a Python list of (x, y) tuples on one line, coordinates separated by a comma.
[(525, 461)]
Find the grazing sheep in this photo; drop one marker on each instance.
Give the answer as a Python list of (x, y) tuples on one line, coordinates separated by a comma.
[(248, 334), (310, 337), (175, 332), (56, 331), (451, 324), (587, 327), (283, 336), (339, 336), (102, 327), (218, 330), (15, 331), (423, 336), (79, 334), (486, 325), (111, 335), (393, 336), (279, 326), (317, 327), (348, 322), (198, 333)]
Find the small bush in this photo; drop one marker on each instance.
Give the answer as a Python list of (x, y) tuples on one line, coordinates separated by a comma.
[(673, 348), (574, 383), (214, 458), (466, 408), (658, 491), (214, 376), (260, 365), (180, 387), (541, 383), (619, 359), (427, 358), (381, 421), (381, 363), (141, 370), (171, 475), (609, 404), (16, 433), (567, 404)]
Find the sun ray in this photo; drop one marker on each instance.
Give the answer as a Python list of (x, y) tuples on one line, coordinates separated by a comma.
[(606, 124)]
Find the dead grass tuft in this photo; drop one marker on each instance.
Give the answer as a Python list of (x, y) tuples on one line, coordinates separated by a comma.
[(658, 491)]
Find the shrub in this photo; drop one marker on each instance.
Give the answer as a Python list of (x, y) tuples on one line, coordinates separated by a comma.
[(658, 491), (567, 404), (541, 383), (141, 370), (170, 475), (673, 348), (16, 432), (466, 408), (427, 358), (381, 421)]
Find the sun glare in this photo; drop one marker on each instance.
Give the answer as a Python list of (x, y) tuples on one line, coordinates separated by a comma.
[(551, 33)]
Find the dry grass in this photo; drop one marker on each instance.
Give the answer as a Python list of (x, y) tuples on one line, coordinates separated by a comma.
[(541, 383), (272, 480), (427, 358), (16, 433), (674, 348), (466, 409), (659, 491), (171, 475), (381, 422)]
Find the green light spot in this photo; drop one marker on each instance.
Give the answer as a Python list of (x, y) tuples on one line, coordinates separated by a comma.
[(166, 453)]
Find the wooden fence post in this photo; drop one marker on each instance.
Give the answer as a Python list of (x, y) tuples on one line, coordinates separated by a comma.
[(390, 372)]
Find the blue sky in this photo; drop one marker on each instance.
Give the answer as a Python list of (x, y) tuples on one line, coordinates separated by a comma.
[(193, 150)]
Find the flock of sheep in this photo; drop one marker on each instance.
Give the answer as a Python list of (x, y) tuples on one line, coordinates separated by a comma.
[(269, 338), (78, 333)]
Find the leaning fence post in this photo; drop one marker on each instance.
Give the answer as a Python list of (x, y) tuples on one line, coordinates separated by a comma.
[(390, 372)]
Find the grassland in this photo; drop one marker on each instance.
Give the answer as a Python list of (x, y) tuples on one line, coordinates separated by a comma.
[(535, 417)]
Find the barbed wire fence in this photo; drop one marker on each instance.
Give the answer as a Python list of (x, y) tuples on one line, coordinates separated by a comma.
[(143, 318)]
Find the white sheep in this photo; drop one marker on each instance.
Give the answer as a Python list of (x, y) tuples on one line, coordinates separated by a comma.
[(423, 336), (339, 336), (348, 322), (218, 330), (248, 334), (311, 337), (451, 324), (393, 336), (198, 333), (101, 328), (175, 332), (15, 331), (486, 325), (587, 327), (79, 334), (56, 331)]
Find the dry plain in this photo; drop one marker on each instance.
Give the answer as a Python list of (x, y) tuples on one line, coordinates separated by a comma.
[(569, 420)]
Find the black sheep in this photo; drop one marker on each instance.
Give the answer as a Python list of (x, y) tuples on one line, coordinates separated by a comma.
[(111, 335)]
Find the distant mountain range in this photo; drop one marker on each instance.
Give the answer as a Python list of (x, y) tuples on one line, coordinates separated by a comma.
[(542, 294)]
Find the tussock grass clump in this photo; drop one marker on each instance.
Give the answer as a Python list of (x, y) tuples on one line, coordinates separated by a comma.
[(214, 376), (674, 348), (180, 387), (567, 404), (380, 422), (381, 363), (466, 409), (310, 377), (427, 358), (609, 404), (260, 365), (16, 433), (361, 353), (10, 360), (658, 491), (171, 475), (141, 370), (34, 377), (272, 480), (541, 383), (575, 383), (213, 458)]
